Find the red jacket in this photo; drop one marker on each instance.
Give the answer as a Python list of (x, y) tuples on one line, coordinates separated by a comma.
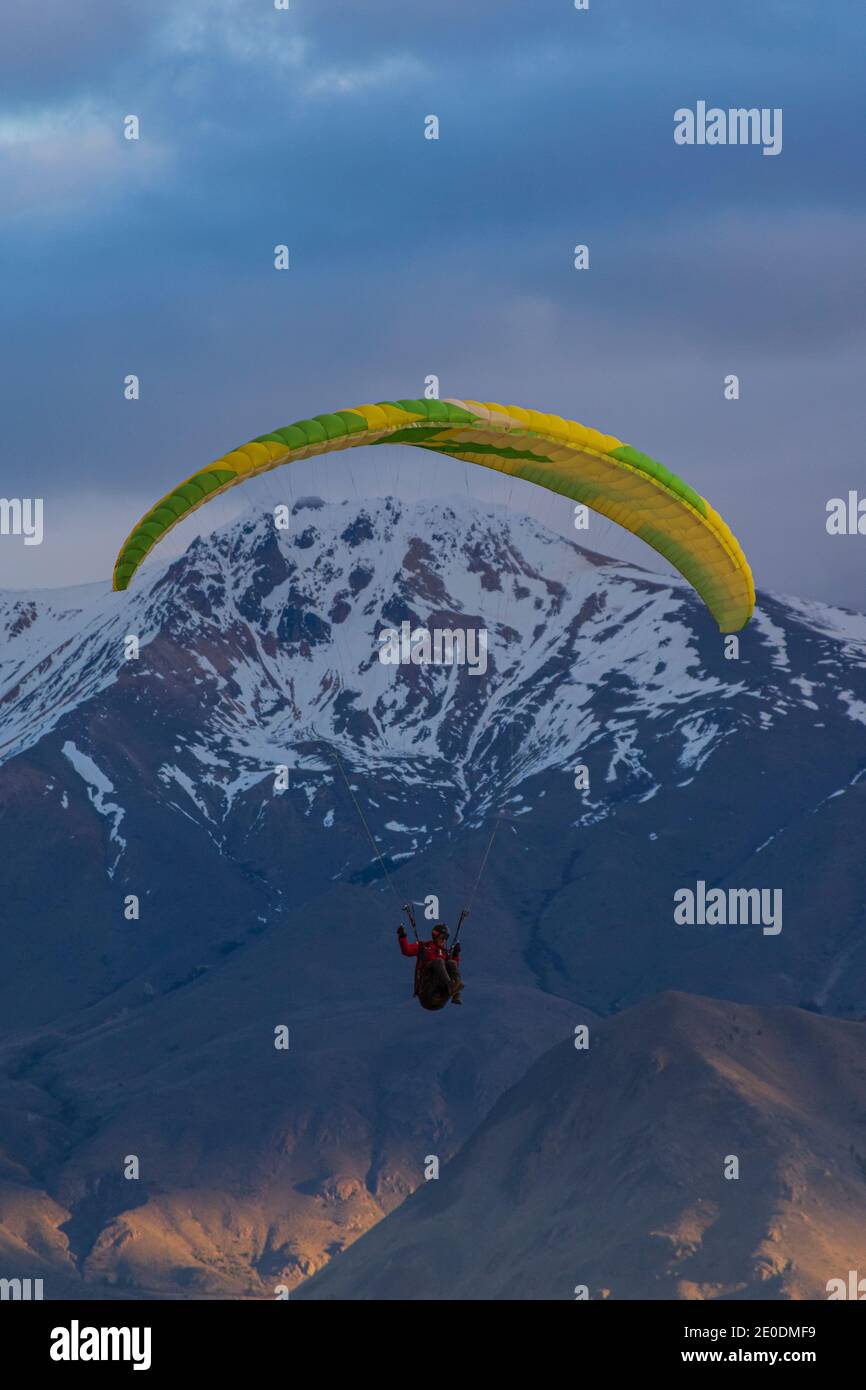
[(430, 949)]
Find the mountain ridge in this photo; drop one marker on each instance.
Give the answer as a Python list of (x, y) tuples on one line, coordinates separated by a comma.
[(605, 1170), (154, 779)]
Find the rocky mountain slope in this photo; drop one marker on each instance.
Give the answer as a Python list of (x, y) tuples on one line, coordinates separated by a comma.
[(605, 1170), (153, 777)]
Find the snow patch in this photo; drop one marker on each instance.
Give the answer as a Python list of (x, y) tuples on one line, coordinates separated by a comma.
[(99, 788)]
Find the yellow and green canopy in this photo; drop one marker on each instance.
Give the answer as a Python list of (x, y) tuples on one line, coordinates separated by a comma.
[(610, 477)]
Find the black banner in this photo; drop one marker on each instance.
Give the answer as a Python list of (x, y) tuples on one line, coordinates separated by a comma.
[(168, 1337)]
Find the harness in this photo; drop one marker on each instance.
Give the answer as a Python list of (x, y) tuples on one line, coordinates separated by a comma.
[(420, 962)]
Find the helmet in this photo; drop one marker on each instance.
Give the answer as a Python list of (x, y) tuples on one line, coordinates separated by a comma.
[(440, 929)]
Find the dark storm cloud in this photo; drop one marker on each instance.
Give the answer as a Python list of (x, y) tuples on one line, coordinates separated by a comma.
[(411, 256)]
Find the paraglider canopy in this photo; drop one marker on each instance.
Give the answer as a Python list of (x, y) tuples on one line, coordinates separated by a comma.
[(596, 469)]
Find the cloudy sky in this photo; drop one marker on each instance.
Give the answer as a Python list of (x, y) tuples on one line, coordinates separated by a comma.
[(412, 257)]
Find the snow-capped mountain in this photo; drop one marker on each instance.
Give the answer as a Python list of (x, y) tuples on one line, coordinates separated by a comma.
[(143, 735), (166, 903), (262, 648)]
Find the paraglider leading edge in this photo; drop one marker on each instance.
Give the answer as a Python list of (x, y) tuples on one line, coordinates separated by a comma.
[(596, 469)]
